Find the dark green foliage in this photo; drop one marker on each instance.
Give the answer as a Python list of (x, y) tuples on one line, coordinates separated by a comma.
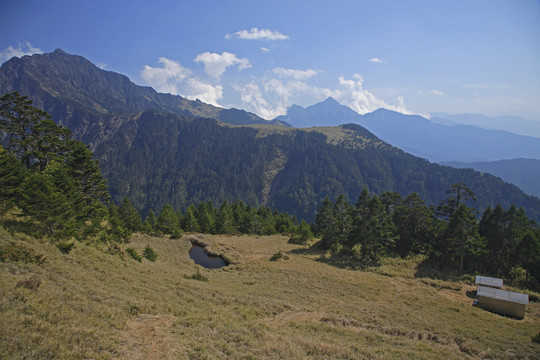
[(62, 187), (303, 234), (279, 255), (12, 174), (197, 160), (134, 254), (129, 216), (503, 243), (149, 253)]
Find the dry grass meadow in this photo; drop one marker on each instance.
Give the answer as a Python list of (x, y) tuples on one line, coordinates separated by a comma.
[(90, 304)]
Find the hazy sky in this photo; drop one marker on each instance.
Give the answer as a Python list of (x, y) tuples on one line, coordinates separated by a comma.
[(262, 56)]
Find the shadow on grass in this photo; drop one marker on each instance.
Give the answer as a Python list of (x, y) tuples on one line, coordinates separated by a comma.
[(340, 260)]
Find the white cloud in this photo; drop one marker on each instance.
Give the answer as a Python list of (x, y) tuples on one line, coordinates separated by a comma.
[(257, 34), (265, 49), (216, 64), (21, 50), (270, 96), (352, 93), (296, 74), (437, 92), (175, 79), (376, 60), (252, 98)]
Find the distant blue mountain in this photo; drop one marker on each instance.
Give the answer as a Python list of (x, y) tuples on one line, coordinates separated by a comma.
[(420, 136), (514, 124)]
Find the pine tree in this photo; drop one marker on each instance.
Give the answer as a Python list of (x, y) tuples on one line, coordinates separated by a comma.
[(167, 221), (130, 216), (149, 253), (12, 174)]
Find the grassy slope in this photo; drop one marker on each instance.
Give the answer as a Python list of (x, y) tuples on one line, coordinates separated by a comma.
[(91, 304)]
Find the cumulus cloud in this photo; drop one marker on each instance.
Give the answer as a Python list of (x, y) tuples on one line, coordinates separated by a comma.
[(376, 60), (253, 99), (216, 64), (257, 34), (270, 96), (19, 51), (351, 92), (175, 79), (437, 92), (296, 74)]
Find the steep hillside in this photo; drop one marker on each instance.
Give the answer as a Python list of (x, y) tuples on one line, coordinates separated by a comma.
[(88, 99), (524, 173), (156, 158), (94, 304)]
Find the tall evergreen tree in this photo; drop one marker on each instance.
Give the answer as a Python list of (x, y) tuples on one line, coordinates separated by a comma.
[(12, 174)]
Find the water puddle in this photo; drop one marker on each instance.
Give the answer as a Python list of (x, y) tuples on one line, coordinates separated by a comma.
[(200, 257)]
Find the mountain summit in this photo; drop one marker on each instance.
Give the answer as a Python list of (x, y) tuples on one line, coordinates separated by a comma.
[(326, 113), (420, 136), (85, 98)]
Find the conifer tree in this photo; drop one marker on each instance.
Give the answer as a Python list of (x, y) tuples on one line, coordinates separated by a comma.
[(167, 221), (129, 215), (12, 174)]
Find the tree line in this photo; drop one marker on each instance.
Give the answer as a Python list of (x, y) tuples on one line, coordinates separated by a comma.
[(504, 243), (55, 181), (235, 218)]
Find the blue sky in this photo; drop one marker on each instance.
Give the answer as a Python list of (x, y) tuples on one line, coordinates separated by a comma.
[(411, 56)]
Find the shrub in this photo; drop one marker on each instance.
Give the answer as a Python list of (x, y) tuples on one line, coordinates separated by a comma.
[(134, 254), (197, 276), (536, 338), (149, 253), (279, 255), (65, 246)]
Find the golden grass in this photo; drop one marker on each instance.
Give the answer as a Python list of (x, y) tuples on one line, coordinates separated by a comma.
[(91, 304)]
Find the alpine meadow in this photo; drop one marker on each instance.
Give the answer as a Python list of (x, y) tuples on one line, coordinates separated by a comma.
[(302, 220)]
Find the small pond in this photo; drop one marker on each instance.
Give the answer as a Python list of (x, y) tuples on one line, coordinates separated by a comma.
[(200, 257)]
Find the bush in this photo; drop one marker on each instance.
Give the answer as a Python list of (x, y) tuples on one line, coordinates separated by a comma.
[(134, 254), (536, 338), (197, 276), (279, 255), (65, 246), (149, 253)]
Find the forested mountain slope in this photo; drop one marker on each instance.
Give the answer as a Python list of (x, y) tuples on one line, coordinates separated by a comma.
[(156, 158), (157, 148), (88, 99), (525, 173)]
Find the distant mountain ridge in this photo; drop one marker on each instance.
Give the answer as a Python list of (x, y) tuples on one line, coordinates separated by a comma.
[(514, 124), (157, 148), (86, 98), (418, 135)]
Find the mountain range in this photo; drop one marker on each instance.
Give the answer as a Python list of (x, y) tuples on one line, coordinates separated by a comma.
[(420, 136), (159, 148), (514, 124)]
